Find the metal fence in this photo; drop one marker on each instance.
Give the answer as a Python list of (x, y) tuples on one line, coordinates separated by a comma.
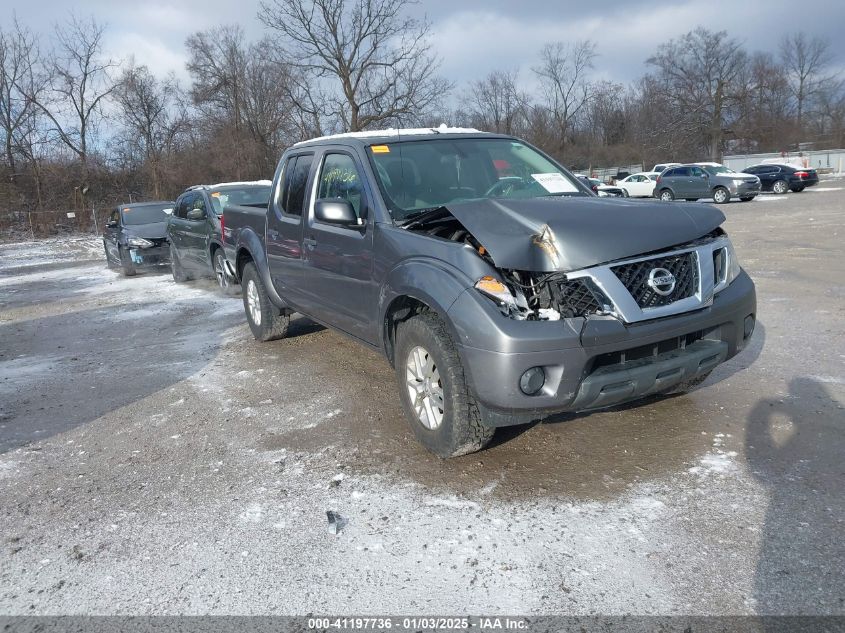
[(36, 224), (828, 160)]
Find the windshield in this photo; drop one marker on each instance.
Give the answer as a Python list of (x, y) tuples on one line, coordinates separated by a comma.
[(718, 169), (250, 196), (145, 214), (418, 175)]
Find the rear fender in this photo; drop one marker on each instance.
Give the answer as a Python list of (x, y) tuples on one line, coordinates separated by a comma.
[(250, 248)]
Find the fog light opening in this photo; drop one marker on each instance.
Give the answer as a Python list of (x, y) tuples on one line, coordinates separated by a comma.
[(532, 381), (749, 325)]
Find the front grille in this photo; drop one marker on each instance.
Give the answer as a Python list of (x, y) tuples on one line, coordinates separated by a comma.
[(619, 358), (635, 277), (575, 298)]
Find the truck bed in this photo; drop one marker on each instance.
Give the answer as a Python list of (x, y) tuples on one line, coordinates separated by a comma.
[(238, 217)]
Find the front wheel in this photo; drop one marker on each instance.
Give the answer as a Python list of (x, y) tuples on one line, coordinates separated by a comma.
[(666, 195), (721, 195), (438, 404), (126, 265), (265, 323)]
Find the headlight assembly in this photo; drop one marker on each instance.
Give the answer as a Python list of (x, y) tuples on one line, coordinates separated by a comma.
[(139, 242)]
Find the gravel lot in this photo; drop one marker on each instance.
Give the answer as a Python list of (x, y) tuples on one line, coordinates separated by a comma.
[(155, 459)]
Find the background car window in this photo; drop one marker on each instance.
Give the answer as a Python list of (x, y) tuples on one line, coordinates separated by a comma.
[(682, 171), (698, 172), (670, 172), (182, 206), (115, 216), (296, 180), (198, 203), (340, 179)]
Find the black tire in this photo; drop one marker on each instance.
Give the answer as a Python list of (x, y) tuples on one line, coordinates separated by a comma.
[(460, 430), (109, 264), (267, 324), (747, 198), (224, 280), (721, 195), (179, 274), (798, 189), (126, 265), (685, 386), (780, 187), (690, 199), (666, 195)]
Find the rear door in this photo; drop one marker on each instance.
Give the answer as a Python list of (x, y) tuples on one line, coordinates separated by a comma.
[(283, 239), (111, 234), (179, 229), (196, 231), (699, 183), (338, 260)]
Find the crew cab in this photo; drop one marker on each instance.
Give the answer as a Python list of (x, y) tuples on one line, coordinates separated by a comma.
[(497, 285)]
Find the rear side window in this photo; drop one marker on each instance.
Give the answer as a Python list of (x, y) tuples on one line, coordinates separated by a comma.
[(670, 172), (295, 185)]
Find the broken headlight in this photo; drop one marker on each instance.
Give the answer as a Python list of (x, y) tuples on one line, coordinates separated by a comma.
[(509, 303), (139, 242)]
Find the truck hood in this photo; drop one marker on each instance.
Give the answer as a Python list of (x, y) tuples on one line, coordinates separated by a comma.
[(155, 230), (565, 234)]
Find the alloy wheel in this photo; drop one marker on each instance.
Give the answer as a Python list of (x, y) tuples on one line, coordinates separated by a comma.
[(425, 389), (253, 302)]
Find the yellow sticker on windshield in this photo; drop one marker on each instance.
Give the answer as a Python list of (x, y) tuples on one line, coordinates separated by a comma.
[(215, 194), (380, 149), (126, 210)]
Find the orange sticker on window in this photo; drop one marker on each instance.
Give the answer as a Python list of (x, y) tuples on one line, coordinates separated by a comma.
[(215, 194), (380, 149), (127, 209)]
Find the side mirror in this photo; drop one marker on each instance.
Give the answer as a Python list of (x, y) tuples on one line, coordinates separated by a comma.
[(111, 224), (195, 214), (336, 211), (168, 211)]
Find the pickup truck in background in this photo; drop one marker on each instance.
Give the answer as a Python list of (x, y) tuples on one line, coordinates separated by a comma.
[(497, 285)]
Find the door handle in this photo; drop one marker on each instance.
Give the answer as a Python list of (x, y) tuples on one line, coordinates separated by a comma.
[(310, 243)]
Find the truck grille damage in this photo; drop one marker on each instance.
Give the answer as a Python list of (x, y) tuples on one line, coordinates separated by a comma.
[(636, 279)]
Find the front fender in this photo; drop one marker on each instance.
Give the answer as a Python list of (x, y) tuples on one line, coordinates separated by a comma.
[(433, 282)]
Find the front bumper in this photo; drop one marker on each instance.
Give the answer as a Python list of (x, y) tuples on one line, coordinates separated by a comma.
[(598, 361), (153, 256)]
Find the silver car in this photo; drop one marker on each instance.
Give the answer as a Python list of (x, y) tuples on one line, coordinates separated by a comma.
[(705, 180)]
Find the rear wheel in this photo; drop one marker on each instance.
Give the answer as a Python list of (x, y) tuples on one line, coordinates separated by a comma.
[(224, 279), (721, 195), (179, 274), (266, 323), (443, 414), (126, 265), (780, 187), (666, 195)]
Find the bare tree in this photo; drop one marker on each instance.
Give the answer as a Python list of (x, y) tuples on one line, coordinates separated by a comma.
[(79, 80), (806, 60), (699, 75), (496, 103), (376, 62), (151, 112), (566, 87)]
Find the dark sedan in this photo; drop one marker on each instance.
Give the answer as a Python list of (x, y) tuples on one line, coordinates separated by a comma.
[(783, 178), (135, 236)]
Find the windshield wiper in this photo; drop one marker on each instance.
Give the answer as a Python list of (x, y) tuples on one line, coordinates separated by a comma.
[(422, 215)]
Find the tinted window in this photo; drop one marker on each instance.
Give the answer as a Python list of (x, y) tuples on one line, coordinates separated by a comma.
[(145, 214), (251, 196), (696, 171), (296, 181), (182, 206), (340, 179), (115, 216), (198, 203)]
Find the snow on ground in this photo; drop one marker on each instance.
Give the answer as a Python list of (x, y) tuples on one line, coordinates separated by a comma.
[(52, 251)]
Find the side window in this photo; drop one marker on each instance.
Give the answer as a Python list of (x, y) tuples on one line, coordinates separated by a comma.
[(339, 178), (199, 203), (696, 171), (683, 171), (295, 184), (670, 172), (182, 206), (115, 216)]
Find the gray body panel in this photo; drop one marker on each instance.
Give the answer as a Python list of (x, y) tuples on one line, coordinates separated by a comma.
[(580, 232)]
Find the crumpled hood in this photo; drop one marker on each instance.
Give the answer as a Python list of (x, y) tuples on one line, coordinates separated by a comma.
[(565, 234), (155, 230)]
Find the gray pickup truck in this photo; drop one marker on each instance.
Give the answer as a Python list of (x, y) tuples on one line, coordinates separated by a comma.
[(498, 286)]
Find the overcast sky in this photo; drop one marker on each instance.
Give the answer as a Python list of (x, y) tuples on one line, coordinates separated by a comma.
[(472, 37)]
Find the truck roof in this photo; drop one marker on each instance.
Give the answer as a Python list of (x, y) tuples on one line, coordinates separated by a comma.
[(393, 134)]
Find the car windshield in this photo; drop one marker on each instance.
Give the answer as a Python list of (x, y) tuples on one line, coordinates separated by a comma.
[(718, 169), (250, 196), (145, 213), (415, 176)]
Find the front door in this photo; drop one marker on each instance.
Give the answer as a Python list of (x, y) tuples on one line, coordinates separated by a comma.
[(111, 233), (338, 260), (699, 183)]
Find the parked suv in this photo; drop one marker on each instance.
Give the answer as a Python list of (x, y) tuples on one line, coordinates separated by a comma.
[(499, 296), (196, 226), (705, 180), (783, 178), (135, 236)]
